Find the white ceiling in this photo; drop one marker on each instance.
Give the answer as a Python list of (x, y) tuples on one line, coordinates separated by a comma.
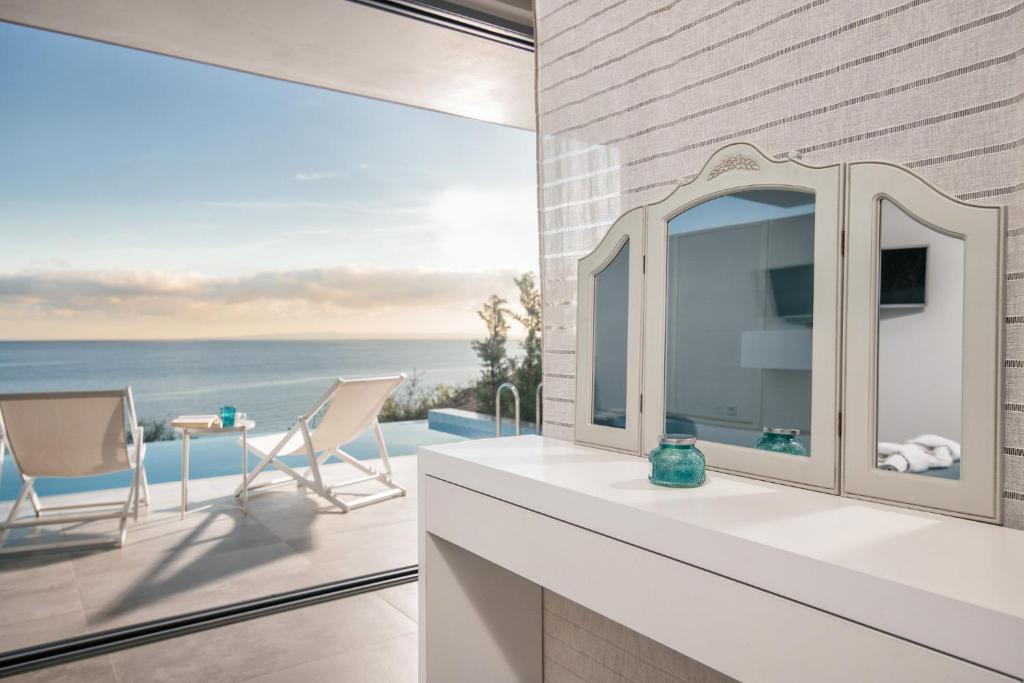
[(329, 43)]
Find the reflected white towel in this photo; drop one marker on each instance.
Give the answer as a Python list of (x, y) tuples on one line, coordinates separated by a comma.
[(924, 452), (936, 443)]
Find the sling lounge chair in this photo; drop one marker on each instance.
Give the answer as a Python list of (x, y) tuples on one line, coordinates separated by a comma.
[(72, 434), (348, 408)]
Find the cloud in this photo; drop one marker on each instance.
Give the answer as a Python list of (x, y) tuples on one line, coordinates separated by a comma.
[(368, 289), (343, 301), (51, 262), (318, 175)]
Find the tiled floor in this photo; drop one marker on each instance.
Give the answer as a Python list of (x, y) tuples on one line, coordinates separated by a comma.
[(362, 638), (217, 556)]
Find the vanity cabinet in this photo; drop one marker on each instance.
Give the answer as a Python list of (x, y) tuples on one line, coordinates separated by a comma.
[(853, 303), (756, 580)]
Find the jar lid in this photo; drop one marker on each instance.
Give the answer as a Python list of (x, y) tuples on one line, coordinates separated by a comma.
[(782, 431), (677, 439)]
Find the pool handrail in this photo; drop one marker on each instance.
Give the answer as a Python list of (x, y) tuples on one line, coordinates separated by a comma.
[(497, 407), (538, 409)]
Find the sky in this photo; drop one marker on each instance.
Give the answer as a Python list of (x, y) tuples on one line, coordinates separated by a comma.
[(143, 196)]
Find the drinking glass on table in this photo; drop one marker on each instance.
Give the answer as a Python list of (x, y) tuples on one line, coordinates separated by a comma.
[(227, 416)]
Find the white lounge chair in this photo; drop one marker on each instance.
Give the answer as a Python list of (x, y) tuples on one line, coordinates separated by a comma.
[(349, 407), (72, 434)]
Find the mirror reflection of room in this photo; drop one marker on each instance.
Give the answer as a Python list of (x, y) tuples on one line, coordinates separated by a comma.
[(739, 320), (920, 346)]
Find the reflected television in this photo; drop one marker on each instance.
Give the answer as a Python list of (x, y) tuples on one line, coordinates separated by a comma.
[(902, 277), (793, 290)]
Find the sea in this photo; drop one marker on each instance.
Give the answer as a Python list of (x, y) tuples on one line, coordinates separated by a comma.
[(273, 382)]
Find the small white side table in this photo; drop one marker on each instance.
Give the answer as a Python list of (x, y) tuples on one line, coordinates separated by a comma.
[(242, 427)]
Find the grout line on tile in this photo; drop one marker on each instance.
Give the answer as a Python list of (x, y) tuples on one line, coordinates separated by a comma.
[(113, 668), (404, 615), (78, 592)]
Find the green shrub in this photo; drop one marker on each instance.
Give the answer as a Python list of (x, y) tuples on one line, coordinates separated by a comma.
[(413, 400), (496, 366), (157, 430)]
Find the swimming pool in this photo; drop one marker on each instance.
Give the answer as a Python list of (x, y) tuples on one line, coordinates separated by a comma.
[(215, 456)]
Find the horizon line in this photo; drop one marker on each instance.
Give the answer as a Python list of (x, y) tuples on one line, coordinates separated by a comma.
[(246, 339), (232, 339)]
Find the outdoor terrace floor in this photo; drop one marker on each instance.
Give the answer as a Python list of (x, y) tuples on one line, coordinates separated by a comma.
[(289, 539)]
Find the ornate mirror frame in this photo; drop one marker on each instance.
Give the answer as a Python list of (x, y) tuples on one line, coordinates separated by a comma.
[(733, 169), (844, 444), (976, 493), (628, 228)]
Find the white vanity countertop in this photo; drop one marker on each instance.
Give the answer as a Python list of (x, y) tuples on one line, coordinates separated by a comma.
[(943, 582)]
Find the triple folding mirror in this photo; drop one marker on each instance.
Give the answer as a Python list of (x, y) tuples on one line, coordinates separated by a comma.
[(836, 328)]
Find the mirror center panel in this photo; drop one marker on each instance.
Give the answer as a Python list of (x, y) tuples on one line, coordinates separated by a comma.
[(739, 320)]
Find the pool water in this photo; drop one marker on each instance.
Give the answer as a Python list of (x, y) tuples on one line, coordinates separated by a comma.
[(215, 456)]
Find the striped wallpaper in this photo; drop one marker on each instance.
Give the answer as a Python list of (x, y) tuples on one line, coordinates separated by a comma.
[(634, 96), (582, 645)]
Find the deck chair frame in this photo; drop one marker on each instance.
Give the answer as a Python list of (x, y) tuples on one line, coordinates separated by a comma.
[(138, 491), (312, 478)]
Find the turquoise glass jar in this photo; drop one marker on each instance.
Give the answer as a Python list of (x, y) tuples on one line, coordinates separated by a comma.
[(781, 441), (677, 462)]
